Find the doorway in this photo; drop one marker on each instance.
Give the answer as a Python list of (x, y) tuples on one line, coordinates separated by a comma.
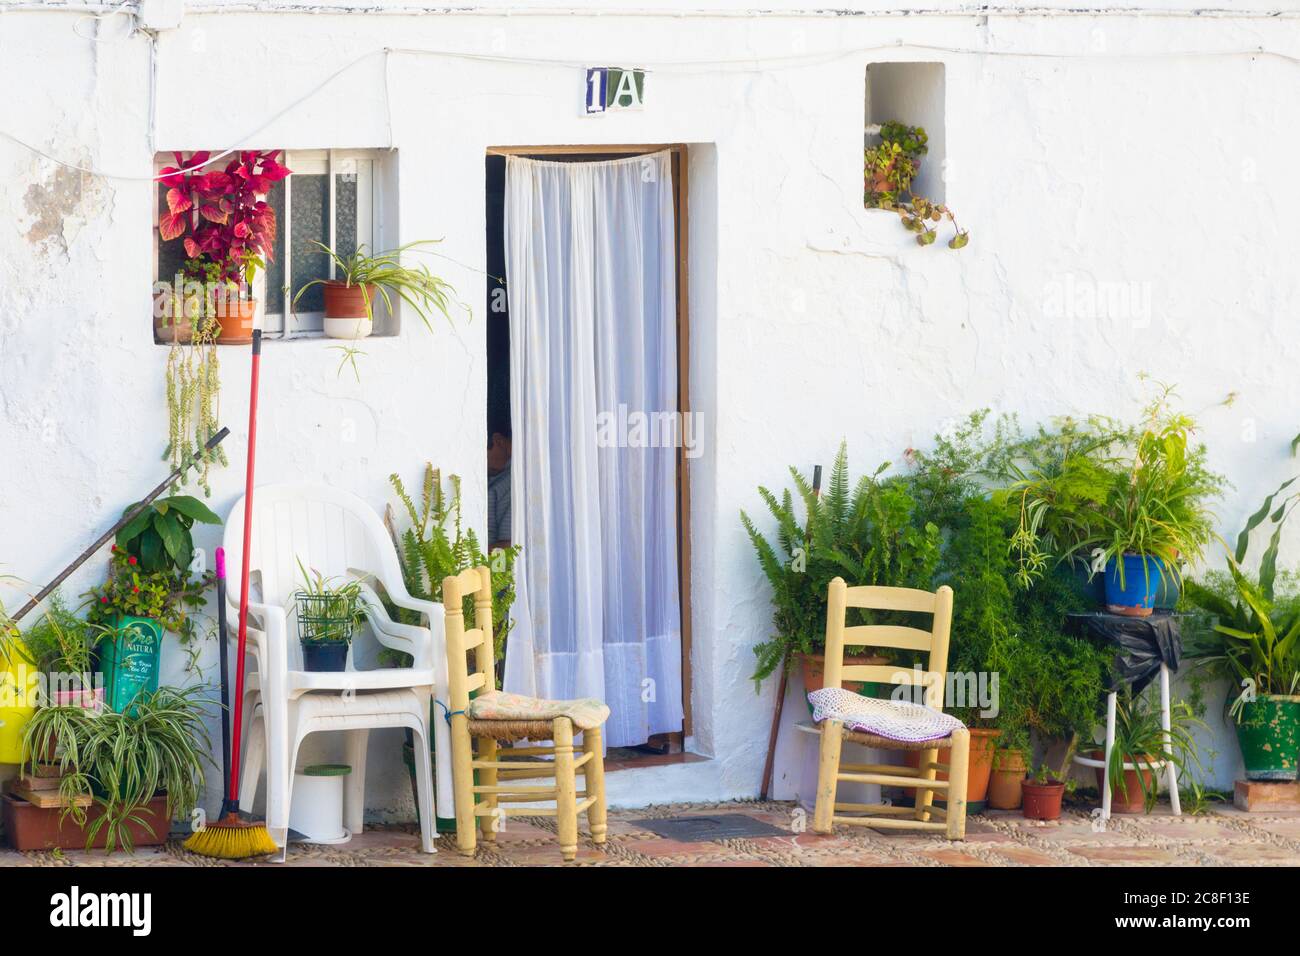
[(674, 353)]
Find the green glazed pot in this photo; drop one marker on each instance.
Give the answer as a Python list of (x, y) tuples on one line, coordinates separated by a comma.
[(1269, 735)]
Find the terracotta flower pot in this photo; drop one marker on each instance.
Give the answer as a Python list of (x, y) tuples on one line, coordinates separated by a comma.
[(345, 310), (29, 827), (814, 668), (979, 764), (236, 318), (1133, 797), (1042, 800), (1006, 782), (168, 328)]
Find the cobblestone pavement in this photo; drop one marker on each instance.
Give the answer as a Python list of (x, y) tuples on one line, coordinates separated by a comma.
[(1222, 836)]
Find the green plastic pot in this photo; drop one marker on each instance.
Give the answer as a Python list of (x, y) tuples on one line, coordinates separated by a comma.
[(1269, 735)]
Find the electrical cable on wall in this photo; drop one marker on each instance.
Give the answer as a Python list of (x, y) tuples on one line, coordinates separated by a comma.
[(701, 67)]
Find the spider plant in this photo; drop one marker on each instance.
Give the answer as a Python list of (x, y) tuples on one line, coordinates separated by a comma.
[(123, 761), (328, 612), (1140, 741), (390, 278)]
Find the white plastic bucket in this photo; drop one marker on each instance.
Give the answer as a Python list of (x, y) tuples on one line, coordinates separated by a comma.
[(316, 809)]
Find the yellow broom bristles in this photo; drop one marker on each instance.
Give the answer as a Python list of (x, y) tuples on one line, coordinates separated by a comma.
[(232, 840)]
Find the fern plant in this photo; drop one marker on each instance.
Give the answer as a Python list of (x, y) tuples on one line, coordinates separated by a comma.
[(866, 533), (436, 544)]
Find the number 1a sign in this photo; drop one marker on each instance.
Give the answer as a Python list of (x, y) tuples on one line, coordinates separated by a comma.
[(614, 88)]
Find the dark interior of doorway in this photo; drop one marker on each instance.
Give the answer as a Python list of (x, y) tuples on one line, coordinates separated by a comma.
[(498, 390)]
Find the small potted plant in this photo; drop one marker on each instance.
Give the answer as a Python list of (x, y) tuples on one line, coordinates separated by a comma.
[(62, 647), (1043, 793), (223, 219), (1006, 782), (1138, 753), (328, 615), (890, 168), (360, 279)]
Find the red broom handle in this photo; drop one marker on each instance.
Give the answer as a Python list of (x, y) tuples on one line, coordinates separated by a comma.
[(243, 565)]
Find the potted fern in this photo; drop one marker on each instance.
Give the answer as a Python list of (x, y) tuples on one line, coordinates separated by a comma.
[(361, 279), (867, 534)]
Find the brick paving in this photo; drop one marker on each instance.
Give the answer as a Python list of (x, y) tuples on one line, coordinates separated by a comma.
[(1221, 836)]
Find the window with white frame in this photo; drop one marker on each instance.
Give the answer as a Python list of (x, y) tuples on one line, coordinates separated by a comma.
[(333, 197)]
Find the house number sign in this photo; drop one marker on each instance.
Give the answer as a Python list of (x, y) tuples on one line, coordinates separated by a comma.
[(612, 88)]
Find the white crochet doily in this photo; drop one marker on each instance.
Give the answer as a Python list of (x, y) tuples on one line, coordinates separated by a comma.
[(899, 720)]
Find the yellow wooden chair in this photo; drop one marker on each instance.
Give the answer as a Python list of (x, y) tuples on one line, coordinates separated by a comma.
[(493, 718), (924, 815)]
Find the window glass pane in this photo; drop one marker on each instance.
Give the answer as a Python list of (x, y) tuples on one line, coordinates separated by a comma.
[(310, 221), (345, 214), (171, 255), (275, 270)]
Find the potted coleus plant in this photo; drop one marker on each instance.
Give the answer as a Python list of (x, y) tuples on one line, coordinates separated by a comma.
[(891, 167), (223, 218), (361, 279), (328, 614)]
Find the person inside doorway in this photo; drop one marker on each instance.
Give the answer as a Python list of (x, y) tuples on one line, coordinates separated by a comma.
[(498, 462)]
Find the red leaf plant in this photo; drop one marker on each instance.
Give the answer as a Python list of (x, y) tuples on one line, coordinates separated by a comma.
[(222, 216)]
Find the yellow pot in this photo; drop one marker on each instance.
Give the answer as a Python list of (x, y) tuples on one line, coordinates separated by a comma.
[(16, 707)]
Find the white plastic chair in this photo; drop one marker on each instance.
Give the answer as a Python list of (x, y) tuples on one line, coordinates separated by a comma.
[(339, 535)]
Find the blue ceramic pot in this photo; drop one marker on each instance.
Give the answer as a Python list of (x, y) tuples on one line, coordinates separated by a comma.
[(1144, 578)]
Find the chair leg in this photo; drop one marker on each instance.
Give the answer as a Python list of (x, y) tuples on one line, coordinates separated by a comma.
[(487, 750), (566, 799), (828, 771), (924, 797), (958, 770), (424, 786), (594, 778), (254, 761), (354, 796), (462, 760)]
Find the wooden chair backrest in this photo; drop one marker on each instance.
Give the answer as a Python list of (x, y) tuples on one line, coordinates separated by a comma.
[(461, 677), (938, 604)]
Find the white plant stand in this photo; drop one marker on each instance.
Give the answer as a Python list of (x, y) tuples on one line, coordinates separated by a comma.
[(1167, 764)]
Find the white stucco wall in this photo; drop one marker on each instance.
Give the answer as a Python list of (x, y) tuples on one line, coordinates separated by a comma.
[(1090, 152)]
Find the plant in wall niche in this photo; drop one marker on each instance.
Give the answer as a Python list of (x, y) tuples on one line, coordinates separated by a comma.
[(890, 168), (123, 762), (436, 545), (361, 279), (867, 534), (328, 615)]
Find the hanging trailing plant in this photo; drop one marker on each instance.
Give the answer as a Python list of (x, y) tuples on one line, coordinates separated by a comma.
[(890, 168)]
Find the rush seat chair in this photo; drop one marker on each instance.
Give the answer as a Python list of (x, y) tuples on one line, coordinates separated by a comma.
[(831, 772), (485, 782)]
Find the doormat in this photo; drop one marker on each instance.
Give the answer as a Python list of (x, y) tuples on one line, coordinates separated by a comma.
[(724, 826)]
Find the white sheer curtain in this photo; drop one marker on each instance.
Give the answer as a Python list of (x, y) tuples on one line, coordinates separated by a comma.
[(590, 258)]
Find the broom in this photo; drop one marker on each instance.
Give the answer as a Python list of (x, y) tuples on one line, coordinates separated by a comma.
[(233, 837)]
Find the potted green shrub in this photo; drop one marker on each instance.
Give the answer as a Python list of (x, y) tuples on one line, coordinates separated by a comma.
[(361, 279), (328, 614), (61, 646), (123, 777), (434, 545)]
